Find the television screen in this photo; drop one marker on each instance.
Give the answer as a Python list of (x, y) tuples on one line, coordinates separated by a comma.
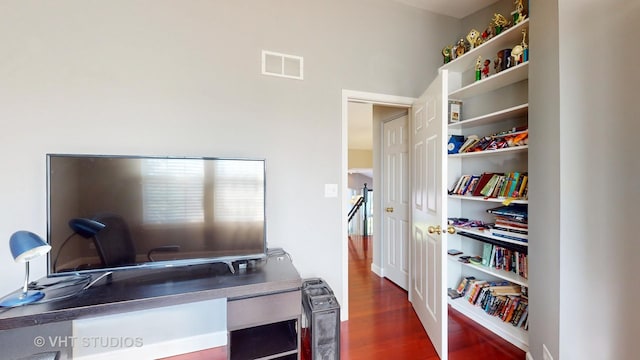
[(118, 212)]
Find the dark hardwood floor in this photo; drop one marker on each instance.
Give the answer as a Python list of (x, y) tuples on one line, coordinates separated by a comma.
[(383, 325)]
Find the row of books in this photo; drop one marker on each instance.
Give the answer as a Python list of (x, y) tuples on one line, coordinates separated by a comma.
[(509, 232), (493, 185), (513, 228), (502, 258), (512, 214), (459, 144), (503, 227), (501, 299)]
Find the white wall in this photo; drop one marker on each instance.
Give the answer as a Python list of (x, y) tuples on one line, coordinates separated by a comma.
[(182, 78), (586, 201), (545, 175), (599, 127)]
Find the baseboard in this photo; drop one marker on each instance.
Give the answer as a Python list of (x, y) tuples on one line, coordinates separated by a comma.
[(377, 270), (163, 349)]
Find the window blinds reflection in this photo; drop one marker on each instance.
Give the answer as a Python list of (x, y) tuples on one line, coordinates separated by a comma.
[(173, 191), (238, 191)]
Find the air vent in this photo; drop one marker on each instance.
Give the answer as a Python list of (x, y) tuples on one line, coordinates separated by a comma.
[(282, 65)]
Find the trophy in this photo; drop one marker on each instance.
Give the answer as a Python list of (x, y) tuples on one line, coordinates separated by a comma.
[(499, 23), (519, 14), (460, 48), (478, 68), (446, 52), (472, 37), (520, 52)]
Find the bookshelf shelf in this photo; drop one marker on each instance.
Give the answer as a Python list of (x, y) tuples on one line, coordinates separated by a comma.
[(514, 149), (502, 274), (487, 235), (494, 82), (515, 335), (512, 112), (492, 200)]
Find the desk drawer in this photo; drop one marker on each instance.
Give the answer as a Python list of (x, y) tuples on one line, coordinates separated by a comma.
[(264, 309)]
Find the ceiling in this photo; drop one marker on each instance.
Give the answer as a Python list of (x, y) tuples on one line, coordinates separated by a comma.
[(455, 8)]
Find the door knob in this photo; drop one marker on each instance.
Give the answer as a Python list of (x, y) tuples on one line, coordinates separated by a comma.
[(389, 209), (434, 229), (451, 230)]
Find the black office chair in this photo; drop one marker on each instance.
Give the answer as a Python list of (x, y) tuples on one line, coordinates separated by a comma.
[(115, 245)]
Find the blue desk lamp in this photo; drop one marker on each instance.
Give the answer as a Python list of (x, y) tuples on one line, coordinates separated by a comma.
[(25, 246)]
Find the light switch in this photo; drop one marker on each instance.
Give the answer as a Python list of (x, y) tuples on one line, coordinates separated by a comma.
[(330, 190)]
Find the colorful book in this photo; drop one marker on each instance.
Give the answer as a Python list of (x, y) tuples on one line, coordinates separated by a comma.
[(514, 211), (488, 189), (482, 182), (509, 234), (486, 254)]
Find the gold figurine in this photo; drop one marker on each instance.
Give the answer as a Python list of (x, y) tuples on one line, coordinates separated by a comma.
[(479, 63), (472, 37), (446, 52), (519, 12), (525, 47), (478, 68), (519, 53), (460, 48), (499, 20), (499, 23), (516, 54)]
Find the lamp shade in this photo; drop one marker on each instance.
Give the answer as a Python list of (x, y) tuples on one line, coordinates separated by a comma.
[(86, 228), (26, 246)]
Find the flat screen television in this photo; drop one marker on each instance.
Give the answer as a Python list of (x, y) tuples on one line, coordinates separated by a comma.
[(108, 213)]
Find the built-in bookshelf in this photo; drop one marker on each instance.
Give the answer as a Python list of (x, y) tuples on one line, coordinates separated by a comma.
[(488, 121)]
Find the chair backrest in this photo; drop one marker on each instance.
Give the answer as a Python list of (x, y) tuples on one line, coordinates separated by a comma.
[(114, 243)]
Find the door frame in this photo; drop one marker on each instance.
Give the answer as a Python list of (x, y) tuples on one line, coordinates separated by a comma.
[(375, 99)]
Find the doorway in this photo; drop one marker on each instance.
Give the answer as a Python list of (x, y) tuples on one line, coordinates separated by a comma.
[(387, 107)]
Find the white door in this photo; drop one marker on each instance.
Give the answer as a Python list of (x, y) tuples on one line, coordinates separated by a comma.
[(428, 213), (395, 164)]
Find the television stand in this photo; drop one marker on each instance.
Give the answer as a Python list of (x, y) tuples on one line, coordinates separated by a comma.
[(262, 301)]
